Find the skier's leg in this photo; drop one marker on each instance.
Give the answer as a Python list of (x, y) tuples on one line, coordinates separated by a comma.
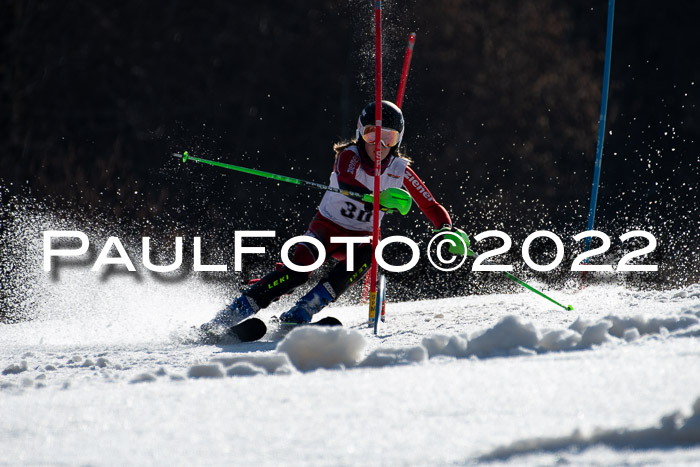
[(263, 292), (340, 279), (335, 283)]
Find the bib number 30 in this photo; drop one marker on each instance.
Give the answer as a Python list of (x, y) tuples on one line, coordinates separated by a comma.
[(351, 211)]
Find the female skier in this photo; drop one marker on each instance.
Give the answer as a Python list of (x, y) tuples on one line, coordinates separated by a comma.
[(342, 216)]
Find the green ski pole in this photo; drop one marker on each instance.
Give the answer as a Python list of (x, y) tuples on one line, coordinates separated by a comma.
[(529, 287), (391, 198)]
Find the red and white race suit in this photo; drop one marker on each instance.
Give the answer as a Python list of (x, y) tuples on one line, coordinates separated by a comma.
[(354, 172)]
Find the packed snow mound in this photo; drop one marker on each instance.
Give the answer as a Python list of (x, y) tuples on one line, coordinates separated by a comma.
[(244, 369), (390, 357), (211, 370), (267, 362), (673, 430), (508, 335), (513, 336), (313, 347)]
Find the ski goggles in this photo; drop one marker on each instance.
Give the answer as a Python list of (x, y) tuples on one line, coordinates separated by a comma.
[(390, 138)]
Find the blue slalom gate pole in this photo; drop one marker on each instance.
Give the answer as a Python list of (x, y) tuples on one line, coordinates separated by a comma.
[(601, 122)]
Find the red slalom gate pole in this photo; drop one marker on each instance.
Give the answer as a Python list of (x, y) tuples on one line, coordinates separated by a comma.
[(399, 102), (377, 155), (404, 71)]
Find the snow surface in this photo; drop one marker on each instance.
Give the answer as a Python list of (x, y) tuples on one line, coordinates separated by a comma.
[(104, 375)]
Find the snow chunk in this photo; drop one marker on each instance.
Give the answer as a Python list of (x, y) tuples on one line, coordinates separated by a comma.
[(211, 370), (270, 362), (244, 369), (87, 363), (457, 347), (313, 347), (564, 339), (451, 346), (671, 323), (508, 334), (435, 345), (389, 357), (689, 333), (651, 326), (8, 386), (15, 369), (143, 378), (595, 334), (631, 335), (74, 359), (102, 362), (579, 325)]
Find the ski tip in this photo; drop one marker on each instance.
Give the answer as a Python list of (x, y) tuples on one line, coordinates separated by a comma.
[(249, 330), (328, 321)]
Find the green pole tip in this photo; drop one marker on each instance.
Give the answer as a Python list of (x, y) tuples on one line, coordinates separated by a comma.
[(185, 156), (570, 308)]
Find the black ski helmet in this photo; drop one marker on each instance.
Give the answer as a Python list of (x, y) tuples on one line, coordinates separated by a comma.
[(392, 117)]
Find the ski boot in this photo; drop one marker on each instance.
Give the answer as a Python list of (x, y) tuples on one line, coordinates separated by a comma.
[(240, 309), (309, 305)]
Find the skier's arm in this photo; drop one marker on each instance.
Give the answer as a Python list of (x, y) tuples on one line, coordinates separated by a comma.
[(422, 196), (346, 165)]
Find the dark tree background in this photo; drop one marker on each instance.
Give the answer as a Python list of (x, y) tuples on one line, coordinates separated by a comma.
[(502, 110)]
